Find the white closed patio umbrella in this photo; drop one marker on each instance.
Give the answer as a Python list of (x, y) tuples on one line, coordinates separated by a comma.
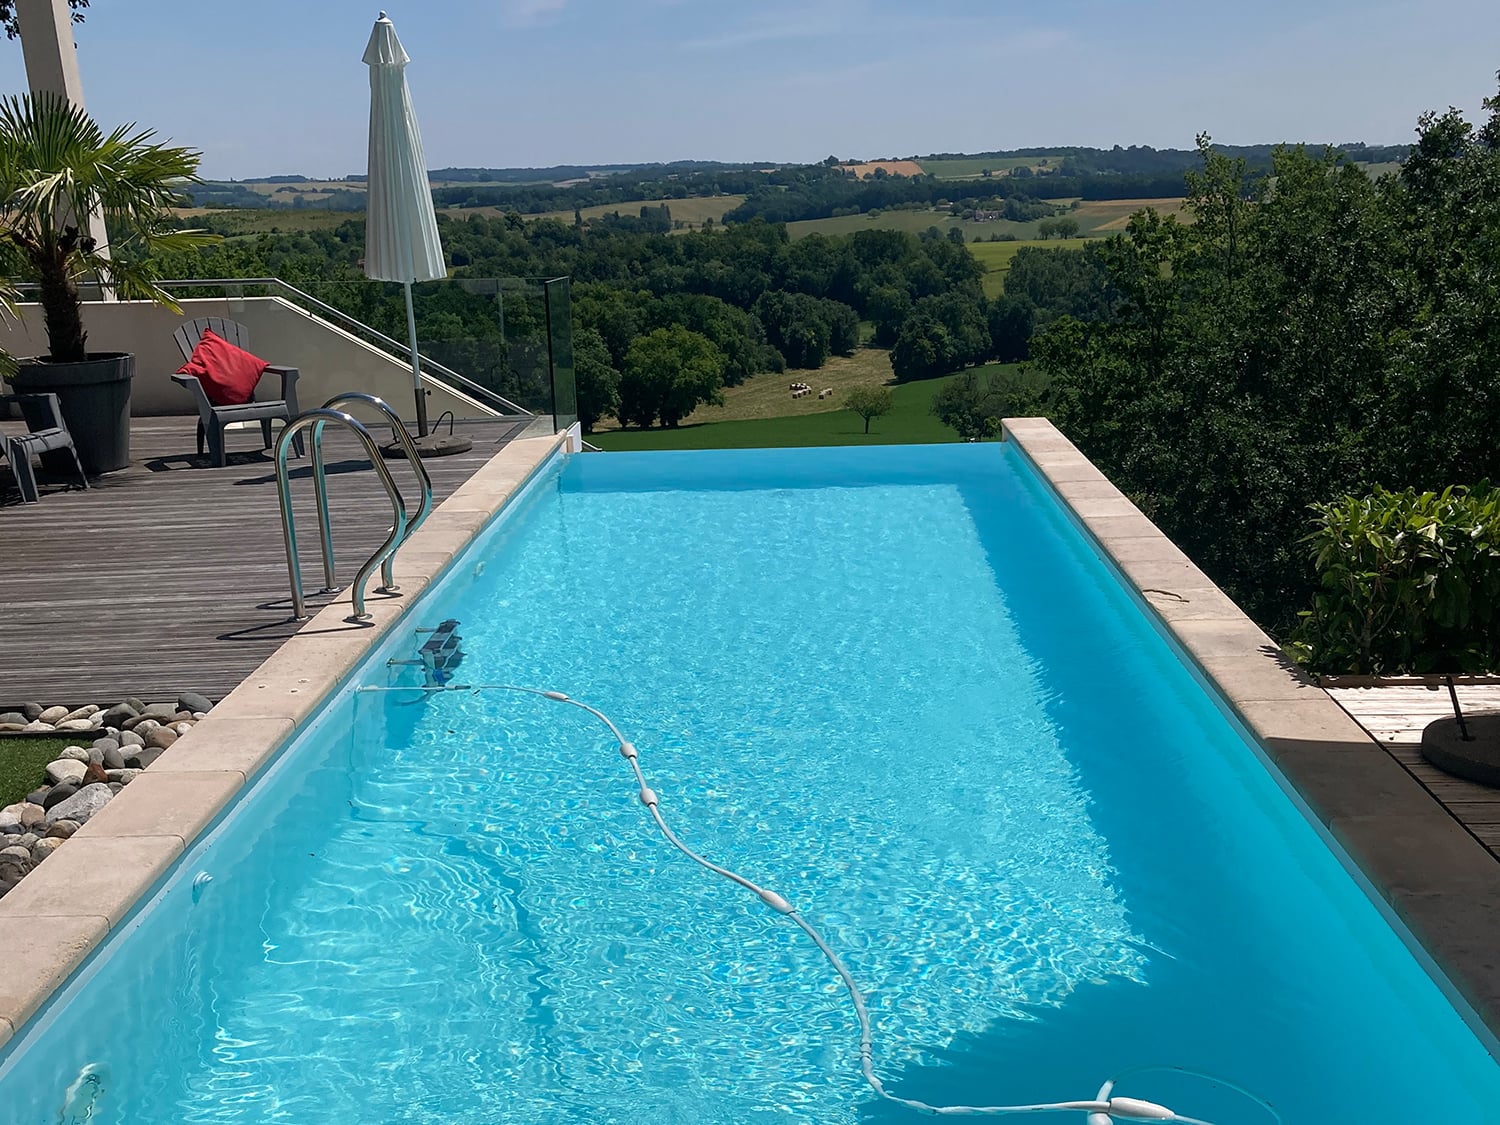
[(401, 235)]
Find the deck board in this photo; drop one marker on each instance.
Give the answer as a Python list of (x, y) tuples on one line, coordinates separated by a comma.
[(1395, 715), (171, 575)]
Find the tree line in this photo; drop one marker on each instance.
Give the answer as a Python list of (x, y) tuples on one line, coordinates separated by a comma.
[(763, 301)]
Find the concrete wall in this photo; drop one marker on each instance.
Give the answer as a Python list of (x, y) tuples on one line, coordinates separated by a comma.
[(330, 359)]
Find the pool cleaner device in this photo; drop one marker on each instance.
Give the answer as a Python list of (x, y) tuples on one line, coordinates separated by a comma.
[(1104, 1108)]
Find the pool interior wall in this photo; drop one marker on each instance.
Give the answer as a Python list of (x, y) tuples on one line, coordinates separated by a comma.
[(896, 684)]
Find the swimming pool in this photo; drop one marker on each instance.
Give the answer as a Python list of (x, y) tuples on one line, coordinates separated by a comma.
[(894, 684)]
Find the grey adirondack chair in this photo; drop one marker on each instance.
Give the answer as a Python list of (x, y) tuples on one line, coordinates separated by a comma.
[(212, 419), (48, 433)]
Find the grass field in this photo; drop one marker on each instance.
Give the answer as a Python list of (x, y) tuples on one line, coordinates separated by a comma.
[(691, 211), (1106, 216), (910, 423), (235, 221), (769, 396)]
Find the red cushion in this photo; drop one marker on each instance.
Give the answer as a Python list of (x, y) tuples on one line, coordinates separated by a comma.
[(228, 373)]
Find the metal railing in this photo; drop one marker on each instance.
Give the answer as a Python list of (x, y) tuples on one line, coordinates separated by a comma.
[(401, 528), (430, 367), (316, 421), (408, 447)]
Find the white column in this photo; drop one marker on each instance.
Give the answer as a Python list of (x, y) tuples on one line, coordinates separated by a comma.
[(52, 66)]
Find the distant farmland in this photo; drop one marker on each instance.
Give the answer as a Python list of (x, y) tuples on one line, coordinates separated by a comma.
[(972, 167), (695, 212), (1106, 216), (1095, 218), (236, 221), (889, 167)]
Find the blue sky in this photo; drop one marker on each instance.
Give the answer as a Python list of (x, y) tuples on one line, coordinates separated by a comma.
[(277, 86)]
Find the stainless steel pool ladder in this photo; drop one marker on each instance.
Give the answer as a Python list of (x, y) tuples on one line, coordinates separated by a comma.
[(383, 558)]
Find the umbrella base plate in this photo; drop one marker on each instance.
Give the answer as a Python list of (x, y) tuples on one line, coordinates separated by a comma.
[(433, 445)]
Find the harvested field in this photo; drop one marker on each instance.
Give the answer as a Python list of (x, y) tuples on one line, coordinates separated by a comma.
[(891, 168)]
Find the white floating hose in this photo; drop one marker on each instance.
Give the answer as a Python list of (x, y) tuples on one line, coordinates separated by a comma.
[(1103, 1109)]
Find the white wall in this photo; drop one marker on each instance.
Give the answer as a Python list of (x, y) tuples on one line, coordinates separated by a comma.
[(330, 359)]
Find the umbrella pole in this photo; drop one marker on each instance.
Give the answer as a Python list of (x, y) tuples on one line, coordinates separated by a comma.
[(416, 365)]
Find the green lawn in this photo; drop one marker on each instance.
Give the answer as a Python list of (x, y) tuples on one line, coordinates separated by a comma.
[(911, 423), (23, 763)]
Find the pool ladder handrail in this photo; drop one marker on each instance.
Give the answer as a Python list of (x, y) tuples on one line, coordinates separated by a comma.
[(316, 421), (408, 447)]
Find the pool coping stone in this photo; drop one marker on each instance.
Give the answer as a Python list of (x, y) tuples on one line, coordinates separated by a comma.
[(70, 904), (1434, 876)]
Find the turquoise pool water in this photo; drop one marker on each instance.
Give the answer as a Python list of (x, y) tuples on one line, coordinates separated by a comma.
[(895, 685)]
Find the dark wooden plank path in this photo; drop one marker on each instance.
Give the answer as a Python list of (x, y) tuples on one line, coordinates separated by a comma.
[(1395, 714), (171, 575)]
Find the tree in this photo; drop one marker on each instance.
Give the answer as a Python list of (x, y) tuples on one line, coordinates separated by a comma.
[(887, 307), (1010, 321), (1310, 334), (956, 235), (668, 373), (843, 327), (922, 350), (976, 402), (870, 402), (13, 29), (807, 329), (598, 381)]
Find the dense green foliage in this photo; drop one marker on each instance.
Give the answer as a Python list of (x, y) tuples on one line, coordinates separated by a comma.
[(765, 301), (975, 402), (1310, 335), (667, 374), (597, 380), (1136, 160), (820, 193), (1409, 582)]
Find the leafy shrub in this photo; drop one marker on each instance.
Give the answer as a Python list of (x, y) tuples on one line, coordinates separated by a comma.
[(1410, 582)]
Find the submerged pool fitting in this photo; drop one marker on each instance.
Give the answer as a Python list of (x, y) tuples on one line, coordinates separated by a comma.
[(1103, 1109)]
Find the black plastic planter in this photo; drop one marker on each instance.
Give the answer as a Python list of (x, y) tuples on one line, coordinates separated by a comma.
[(95, 400)]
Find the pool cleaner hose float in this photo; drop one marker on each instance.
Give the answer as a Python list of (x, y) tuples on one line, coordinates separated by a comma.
[(1104, 1108)]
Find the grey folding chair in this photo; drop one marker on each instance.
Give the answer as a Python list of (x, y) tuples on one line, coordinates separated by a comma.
[(48, 432), (213, 419)]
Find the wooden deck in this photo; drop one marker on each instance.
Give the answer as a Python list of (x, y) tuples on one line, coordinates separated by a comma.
[(1395, 716), (171, 575)]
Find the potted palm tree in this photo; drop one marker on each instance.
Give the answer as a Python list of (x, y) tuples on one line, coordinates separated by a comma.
[(57, 167)]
